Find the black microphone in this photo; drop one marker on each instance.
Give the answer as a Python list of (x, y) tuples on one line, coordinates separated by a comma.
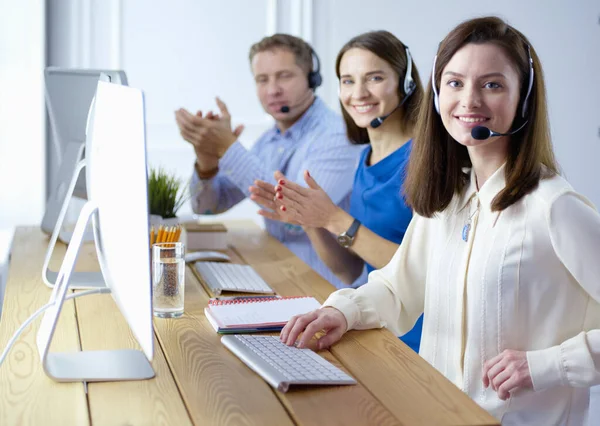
[(287, 108), (376, 122), (482, 133)]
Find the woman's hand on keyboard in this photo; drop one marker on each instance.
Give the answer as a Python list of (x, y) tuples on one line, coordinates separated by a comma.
[(328, 319)]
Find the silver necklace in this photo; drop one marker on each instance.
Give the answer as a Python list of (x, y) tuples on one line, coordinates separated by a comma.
[(467, 227)]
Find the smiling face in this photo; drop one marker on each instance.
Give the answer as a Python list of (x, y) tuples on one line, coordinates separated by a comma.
[(479, 87), (368, 86)]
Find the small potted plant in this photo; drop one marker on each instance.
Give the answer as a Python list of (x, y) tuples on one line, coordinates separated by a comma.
[(166, 195)]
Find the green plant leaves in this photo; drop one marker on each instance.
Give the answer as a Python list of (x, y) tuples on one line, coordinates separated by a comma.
[(166, 194)]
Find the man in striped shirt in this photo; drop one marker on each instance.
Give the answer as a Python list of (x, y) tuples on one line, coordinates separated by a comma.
[(307, 135)]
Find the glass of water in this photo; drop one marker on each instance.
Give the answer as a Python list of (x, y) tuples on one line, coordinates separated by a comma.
[(168, 279)]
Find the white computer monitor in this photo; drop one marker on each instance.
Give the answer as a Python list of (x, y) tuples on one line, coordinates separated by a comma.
[(118, 207), (69, 96), (69, 93)]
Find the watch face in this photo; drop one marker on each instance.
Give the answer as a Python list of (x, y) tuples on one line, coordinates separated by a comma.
[(344, 240)]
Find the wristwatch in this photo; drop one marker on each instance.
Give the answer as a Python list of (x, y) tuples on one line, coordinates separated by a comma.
[(346, 238)]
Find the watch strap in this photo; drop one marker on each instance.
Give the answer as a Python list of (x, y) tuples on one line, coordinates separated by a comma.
[(351, 232)]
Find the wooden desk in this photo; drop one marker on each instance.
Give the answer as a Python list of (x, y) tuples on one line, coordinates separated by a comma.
[(198, 381)]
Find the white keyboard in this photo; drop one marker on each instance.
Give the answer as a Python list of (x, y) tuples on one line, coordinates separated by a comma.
[(282, 366), (231, 277)]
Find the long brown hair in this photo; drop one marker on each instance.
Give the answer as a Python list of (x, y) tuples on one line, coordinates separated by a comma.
[(435, 172), (386, 46)]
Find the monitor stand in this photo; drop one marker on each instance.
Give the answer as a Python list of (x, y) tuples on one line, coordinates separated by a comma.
[(79, 280), (74, 153), (88, 366)]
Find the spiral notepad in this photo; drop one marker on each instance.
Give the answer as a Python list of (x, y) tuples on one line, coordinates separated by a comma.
[(256, 314)]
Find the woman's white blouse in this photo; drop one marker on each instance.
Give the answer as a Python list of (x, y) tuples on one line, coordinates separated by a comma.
[(527, 278)]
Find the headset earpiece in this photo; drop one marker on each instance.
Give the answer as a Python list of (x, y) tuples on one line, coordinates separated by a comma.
[(436, 96), (314, 76), (409, 85), (530, 85)]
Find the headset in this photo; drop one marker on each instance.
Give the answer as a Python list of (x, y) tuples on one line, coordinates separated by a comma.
[(314, 76), (408, 87), (409, 84), (524, 107)]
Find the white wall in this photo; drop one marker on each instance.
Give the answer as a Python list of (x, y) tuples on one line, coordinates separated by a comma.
[(188, 65), (22, 116), (22, 120)]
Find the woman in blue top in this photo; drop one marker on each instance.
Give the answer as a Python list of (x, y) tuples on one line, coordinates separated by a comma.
[(380, 92)]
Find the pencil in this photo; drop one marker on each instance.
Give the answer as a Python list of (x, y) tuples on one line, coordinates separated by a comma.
[(152, 235), (178, 234), (160, 234)]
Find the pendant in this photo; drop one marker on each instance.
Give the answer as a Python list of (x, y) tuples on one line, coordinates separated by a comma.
[(465, 231)]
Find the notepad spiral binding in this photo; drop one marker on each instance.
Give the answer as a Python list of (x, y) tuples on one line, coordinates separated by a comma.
[(215, 302)]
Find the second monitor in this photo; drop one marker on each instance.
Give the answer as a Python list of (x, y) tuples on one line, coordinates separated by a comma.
[(69, 94)]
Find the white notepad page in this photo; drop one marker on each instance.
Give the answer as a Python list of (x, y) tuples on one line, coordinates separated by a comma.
[(267, 312)]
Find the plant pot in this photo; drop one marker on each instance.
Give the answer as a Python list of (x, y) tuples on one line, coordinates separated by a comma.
[(157, 220)]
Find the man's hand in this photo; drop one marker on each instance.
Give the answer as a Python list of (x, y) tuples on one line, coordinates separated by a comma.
[(206, 163), (211, 135)]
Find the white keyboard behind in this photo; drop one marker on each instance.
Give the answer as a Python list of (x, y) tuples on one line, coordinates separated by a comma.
[(231, 277), (282, 366)]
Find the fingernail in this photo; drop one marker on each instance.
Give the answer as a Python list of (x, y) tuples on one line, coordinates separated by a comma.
[(300, 345), (283, 208), (280, 195), (308, 173), (281, 182), (278, 188)]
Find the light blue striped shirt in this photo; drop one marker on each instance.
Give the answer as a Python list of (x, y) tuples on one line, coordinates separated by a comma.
[(316, 142)]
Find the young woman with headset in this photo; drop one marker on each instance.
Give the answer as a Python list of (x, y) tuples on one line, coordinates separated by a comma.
[(501, 254), (379, 93)]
